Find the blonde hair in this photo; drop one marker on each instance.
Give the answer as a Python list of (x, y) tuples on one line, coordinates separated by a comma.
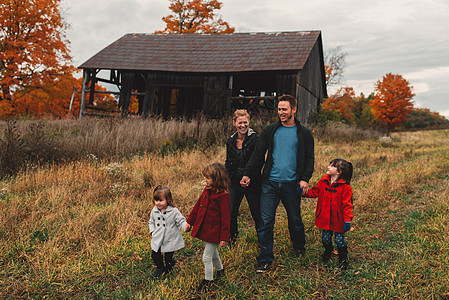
[(163, 190), (240, 113), (220, 179)]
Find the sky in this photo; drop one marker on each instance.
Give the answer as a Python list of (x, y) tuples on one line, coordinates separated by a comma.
[(405, 37)]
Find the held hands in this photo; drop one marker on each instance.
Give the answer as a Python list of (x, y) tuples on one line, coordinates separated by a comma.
[(305, 186), (245, 181), (299, 190), (223, 243), (347, 226), (188, 227)]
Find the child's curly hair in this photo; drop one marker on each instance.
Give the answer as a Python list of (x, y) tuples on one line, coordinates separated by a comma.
[(220, 179), (163, 190)]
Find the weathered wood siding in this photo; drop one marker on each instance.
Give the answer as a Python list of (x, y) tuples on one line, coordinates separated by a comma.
[(310, 84), (216, 95)]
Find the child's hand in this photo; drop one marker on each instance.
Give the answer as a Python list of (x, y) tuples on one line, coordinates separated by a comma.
[(305, 186), (299, 191), (223, 243), (151, 233), (347, 226), (188, 227)]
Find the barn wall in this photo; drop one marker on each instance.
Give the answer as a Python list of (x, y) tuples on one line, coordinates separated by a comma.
[(286, 83), (216, 95), (310, 84)]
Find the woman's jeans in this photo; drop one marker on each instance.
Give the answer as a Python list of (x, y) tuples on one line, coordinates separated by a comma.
[(272, 192), (253, 198)]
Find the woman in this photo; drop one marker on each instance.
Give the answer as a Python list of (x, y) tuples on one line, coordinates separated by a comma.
[(239, 148)]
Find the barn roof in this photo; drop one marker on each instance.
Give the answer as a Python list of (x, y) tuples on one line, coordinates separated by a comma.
[(191, 52)]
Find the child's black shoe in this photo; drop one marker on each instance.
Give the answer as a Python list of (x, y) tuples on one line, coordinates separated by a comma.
[(158, 273), (220, 273), (326, 256), (205, 284), (343, 263)]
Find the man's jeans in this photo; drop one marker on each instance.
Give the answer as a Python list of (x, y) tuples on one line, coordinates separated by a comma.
[(271, 193)]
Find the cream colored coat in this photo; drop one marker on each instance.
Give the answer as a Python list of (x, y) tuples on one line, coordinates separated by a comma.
[(164, 228)]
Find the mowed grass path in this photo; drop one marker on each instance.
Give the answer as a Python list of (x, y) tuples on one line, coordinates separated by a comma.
[(79, 230)]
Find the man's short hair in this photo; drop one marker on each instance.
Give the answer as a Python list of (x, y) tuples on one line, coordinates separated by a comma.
[(289, 98)]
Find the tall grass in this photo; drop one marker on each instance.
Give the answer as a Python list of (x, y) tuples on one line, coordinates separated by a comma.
[(79, 229), (29, 143)]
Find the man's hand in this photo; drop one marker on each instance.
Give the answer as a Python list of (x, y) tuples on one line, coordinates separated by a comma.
[(305, 186), (245, 181), (223, 243), (188, 227)]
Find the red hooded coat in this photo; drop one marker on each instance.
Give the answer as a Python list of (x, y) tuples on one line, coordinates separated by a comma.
[(334, 206), (210, 217)]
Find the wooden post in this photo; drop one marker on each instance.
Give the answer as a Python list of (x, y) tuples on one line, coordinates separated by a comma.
[(125, 92), (83, 92), (148, 99), (71, 100), (92, 88)]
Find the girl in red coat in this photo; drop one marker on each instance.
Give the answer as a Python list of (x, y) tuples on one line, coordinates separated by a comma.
[(334, 208), (210, 218)]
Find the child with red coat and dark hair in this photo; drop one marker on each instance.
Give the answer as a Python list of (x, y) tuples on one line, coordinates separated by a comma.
[(210, 218), (334, 208)]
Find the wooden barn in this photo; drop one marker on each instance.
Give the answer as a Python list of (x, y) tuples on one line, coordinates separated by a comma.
[(181, 74)]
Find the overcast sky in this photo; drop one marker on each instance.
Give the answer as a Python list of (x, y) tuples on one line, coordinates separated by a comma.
[(406, 37)]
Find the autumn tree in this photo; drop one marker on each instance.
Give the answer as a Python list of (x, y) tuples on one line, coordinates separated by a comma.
[(342, 103), (33, 48), (363, 115), (392, 100), (334, 65), (424, 118), (195, 16)]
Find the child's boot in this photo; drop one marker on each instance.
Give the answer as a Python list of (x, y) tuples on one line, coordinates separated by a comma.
[(326, 256), (159, 262), (220, 273), (205, 284), (169, 264), (343, 263)]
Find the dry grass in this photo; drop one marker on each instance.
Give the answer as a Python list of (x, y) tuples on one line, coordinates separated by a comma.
[(79, 229)]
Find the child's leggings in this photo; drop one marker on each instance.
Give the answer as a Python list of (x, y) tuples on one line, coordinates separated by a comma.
[(211, 259), (339, 238)]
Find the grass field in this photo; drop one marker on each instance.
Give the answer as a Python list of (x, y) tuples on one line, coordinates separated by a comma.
[(80, 229)]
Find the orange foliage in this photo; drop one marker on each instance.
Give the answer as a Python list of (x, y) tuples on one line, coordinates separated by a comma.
[(32, 45), (51, 100), (392, 100), (342, 102), (191, 16)]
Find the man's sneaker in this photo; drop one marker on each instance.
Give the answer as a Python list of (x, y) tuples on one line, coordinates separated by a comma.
[(262, 267)]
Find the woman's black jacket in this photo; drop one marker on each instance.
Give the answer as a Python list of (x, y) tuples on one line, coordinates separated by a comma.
[(234, 161)]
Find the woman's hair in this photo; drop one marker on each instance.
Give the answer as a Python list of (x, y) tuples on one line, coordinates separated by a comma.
[(343, 166), (220, 179), (240, 113), (163, 190)]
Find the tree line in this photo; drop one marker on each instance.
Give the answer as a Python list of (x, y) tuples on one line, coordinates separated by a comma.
[(37, 77)]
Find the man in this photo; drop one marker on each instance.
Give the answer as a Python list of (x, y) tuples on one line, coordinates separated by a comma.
[(290, 161)]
